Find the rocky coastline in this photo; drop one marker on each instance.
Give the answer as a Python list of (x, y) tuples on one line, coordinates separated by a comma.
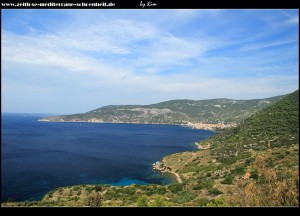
[(160, 166)]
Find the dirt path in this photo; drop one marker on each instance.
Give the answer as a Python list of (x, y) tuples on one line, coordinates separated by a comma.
[(178, 178)]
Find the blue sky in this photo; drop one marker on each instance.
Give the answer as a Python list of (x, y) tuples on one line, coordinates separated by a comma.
[(71, 61)]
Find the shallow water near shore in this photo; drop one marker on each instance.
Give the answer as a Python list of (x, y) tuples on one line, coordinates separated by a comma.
[(40, 156)]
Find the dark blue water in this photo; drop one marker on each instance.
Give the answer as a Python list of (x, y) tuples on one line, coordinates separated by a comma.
[(40, 156)]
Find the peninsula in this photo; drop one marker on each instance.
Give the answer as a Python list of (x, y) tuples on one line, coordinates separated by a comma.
[(202, 114)]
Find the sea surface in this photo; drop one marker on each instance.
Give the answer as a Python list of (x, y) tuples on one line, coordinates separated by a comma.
[(37, 157)]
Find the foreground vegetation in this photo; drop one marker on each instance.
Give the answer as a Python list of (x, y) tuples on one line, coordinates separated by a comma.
[(253, 164)]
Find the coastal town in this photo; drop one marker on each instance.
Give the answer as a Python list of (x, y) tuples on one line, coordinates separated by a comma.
[(207, 126)]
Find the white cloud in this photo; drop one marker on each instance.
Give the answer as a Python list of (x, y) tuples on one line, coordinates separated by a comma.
[(293, 20), (126, 60), (264, 45), (38, 51), (169, 51)]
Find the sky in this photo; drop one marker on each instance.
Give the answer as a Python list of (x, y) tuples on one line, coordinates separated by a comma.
[(73, 61)]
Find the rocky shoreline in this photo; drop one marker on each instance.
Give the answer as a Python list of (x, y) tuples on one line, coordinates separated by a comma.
[(160, 166)]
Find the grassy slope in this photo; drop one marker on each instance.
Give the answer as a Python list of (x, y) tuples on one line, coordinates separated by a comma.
[(212, 176)]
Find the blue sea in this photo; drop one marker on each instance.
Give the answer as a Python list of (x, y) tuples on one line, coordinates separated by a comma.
[(37, 157)]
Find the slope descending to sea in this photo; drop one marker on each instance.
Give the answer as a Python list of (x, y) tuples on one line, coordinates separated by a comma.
[(264, 147), (273, 127)]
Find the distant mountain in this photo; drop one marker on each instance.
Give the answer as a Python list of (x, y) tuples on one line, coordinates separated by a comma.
[(213, 111)]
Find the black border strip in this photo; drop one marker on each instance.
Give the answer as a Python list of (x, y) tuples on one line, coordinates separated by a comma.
[(153, 4)]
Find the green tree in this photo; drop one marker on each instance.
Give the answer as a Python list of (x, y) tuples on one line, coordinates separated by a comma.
[(97, 188), (142, 201), (228, 180), (94, 199), (214, 191), (175, 188), (159, 201), (185, 196)]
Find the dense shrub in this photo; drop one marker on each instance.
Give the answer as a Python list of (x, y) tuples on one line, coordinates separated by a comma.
[(185, 196), (159, 201), (214, 191), (142, 201), (160, 190), (175, 188), (97, 188), (94, 199), (228, 180), (205, 183)]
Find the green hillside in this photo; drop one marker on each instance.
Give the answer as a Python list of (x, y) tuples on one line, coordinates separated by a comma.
[(174, 112), (273, 127), (264, 146)]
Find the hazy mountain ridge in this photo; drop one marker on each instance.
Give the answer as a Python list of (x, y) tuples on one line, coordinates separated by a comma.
[(213, 111)]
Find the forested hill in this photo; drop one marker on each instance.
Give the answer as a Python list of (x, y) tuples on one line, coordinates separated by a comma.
[(275, 126), (174, 112)]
